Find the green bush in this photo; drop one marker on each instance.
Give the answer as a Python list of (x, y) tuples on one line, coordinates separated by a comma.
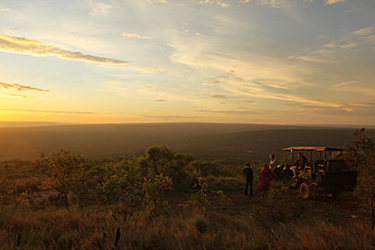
[(198, 200), (63, 173), (155, 190)]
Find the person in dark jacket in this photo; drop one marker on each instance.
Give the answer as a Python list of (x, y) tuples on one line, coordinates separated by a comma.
[(299, 165), (248, 173)]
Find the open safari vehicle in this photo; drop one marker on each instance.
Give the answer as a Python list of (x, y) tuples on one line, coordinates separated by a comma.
[(324, 170)]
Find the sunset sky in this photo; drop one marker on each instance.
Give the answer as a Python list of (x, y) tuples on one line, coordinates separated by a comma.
[(247, 61)]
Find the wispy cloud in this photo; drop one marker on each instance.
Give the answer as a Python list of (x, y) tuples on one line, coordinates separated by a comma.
[(148, 70), (255, 76), (249, 101), (99, 8), (169, 117), (290, 8), (277, 4), (3, 9), (157, 1), (159, 100), (20, 87), (361, 39), (341, 84), (16, 96), (48, 111), (218, 96), (330, 2), (36, 48), (364, 32), (220, 3), (136, 36), (231, 112), (326, 2), (147, 87)]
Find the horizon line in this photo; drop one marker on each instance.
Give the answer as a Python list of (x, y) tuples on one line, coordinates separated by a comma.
[(14, 124)]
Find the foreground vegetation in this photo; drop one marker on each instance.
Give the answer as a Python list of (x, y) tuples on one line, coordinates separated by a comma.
[(166, 200)]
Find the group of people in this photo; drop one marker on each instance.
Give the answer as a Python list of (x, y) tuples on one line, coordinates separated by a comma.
[(270, 171)]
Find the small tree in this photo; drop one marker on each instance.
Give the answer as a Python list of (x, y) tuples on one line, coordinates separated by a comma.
[(64, 171), (161, 160), (155, 190), (361, 156), (198, 200)]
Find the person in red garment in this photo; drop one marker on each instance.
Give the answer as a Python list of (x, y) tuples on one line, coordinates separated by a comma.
[(266, 175)]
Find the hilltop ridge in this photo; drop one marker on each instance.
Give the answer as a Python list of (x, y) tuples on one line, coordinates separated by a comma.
[(223, 141)]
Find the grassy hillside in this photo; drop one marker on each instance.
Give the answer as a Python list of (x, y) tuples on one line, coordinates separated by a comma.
[(156, 201), (231, 142)]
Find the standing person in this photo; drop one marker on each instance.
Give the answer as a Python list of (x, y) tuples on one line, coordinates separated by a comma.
[(265, 178), (299, 165), (273, 162), (249, 175)]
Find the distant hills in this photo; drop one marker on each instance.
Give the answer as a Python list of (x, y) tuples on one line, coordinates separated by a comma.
[(233, 143), (26, 124)]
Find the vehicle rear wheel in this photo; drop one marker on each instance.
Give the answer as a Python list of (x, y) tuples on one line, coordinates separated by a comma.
[(304, 188)]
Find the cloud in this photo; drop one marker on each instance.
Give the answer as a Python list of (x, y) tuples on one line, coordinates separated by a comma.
[(147, 87), (169, 117), (99, 8), (249, 101), (20, 87), (148, 70), (256, 76), (330, 2), (48, 111), (341, 84), (136, 36), (334, 51), (364, 32), (218, 96), (326, 2), (157, 1), (277, 4), (368, 104), (290, 8), (16, 96), (36, 48), (220, 3), (159, 100), (232, 112), (4, 9)]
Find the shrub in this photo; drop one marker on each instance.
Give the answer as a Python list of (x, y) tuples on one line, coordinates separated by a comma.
[(284, 202), (155, 193), (361, 156), (198, 200), (64, 171), (222, 198), (162, 160), (215, 168), (225, 183), (120, 182)]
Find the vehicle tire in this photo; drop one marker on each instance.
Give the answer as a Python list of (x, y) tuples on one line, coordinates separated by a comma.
[(305, 190)]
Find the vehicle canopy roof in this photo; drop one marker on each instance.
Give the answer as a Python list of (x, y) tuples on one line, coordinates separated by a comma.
[(311, 148)]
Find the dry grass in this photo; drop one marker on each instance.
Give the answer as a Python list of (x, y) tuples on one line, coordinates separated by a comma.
[(251, 228), (31, 219)]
